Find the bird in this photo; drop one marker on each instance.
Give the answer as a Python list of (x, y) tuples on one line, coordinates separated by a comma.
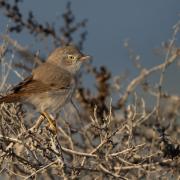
[(51, 85)]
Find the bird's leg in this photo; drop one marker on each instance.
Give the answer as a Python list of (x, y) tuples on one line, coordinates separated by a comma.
[(38, 123), (51, 121)]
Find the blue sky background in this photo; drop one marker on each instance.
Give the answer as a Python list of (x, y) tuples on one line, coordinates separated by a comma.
[(145, 23)]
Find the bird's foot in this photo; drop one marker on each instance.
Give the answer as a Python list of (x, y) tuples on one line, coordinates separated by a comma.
[(52, 123)]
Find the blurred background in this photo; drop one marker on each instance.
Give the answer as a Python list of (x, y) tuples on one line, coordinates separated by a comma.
[(143, 25)]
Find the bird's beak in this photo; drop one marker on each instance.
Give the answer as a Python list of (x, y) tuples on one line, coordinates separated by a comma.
[(85, 58)]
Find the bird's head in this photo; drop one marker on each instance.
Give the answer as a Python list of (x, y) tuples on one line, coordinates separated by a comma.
[(68, 58)]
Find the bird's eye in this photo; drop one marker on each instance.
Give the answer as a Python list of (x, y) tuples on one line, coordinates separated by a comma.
[(71, 57)]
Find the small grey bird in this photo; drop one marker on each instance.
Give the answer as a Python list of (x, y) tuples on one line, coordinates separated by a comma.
[(52, 84)]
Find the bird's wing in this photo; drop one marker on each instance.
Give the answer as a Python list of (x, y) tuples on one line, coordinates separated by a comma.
[(14, 95), (23, 89), (29, 85), (44, 78), (53, 76), (21, 84)]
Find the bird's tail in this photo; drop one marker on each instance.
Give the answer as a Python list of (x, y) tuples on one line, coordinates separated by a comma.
[(10, 98)]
